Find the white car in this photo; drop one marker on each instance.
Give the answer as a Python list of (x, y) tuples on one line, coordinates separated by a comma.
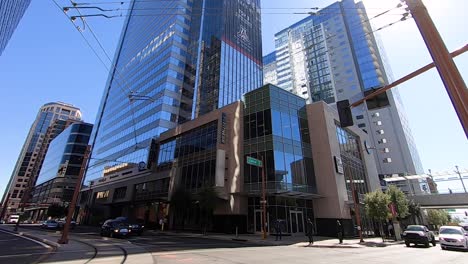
[(453, 237)]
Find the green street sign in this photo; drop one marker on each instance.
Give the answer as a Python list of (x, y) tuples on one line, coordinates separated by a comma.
[(254, 162)]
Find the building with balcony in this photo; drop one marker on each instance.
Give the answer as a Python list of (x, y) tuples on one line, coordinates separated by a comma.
[(51, 120), (334, 55)]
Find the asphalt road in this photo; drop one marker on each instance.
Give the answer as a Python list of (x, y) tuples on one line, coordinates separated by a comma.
[(17, 249)]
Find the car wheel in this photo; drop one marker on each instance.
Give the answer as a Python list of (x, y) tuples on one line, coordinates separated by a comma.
[(443, 248), (407, 244), (426, 244)]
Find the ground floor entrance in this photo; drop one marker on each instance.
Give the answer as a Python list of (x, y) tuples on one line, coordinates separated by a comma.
[(284, 213)]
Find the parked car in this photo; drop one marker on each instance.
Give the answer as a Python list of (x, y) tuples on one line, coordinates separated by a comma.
[(113, 228), (136, 227), (50, 224), (453, 237), (418, 234)]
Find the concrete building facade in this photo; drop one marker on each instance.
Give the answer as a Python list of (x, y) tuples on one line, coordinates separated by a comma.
[(309, 160)]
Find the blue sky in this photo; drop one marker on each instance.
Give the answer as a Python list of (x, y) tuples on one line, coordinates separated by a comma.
[(47, 60)]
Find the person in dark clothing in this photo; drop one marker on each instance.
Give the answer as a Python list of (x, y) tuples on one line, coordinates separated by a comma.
[(339, 231), (278, 229), (310, 231)]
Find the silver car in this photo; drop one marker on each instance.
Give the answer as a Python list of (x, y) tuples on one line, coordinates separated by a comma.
[(453, 237)]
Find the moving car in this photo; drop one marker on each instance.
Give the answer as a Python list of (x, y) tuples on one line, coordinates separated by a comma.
[(136, 228), (418, 234), (453, 237), (13, 219), (50, 224), (113, 228)]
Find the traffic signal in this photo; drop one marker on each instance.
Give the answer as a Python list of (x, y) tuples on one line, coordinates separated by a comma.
[(344, 112)]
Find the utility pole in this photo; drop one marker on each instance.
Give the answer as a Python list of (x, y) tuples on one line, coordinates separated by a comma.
[(461, 179), (451, 77), (71, 207)]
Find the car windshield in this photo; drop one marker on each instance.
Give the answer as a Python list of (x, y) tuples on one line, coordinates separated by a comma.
[(450, 231), (415, 228)]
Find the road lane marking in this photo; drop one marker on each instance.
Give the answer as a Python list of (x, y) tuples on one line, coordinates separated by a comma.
[(27, 238)]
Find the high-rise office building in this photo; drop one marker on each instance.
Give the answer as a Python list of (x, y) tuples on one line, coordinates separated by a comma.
[(176, 60), (51, 120), (60, 170), (333, 56), (11, 12)]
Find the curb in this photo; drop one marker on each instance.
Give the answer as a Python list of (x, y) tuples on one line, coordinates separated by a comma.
[(55, 245)]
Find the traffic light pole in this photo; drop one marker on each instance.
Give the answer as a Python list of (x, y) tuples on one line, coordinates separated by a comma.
[(71, 207), (451, 77)]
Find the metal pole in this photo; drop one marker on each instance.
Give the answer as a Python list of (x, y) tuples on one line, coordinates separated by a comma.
[(451, 77), (264, 221), (461, 179), (356, 207), (71, 208)]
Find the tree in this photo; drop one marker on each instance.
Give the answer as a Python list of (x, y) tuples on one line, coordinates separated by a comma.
[(180, 202), (376, 206), (207, 197), (414, 211), (437, 217), (398, 198), (56, 211)]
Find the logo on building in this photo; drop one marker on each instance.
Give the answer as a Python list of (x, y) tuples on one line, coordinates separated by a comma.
[(223, 128)]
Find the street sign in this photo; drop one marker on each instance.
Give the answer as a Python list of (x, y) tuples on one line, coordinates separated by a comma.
[(254, 162)]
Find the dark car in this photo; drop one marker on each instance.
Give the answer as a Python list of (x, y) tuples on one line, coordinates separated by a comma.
[(418, 234), (50, 224), (113, 228), (136, 227)]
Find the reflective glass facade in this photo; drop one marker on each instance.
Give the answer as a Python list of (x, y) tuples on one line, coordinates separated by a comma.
[(195, 152), (176, 60), (62, 165), (11, 12), (333, 56), (51, 120), (276, 129)]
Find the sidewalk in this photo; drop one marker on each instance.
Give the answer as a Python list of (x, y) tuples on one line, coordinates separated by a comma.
[(298, 240)]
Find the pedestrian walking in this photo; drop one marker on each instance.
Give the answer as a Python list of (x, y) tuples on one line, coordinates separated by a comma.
[(339, 231), (278, 229), (390, 230), (310, 231)]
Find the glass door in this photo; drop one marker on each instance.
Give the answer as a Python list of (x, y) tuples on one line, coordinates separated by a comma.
[(258, 221), (297, 222)]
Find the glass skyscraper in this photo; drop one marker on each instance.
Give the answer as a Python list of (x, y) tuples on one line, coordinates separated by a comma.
[(332, 56), (51, 120), (176, 60), (11, 12)]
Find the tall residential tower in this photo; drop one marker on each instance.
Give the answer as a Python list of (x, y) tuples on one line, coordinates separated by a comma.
[(332, 56), (51, 120)]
